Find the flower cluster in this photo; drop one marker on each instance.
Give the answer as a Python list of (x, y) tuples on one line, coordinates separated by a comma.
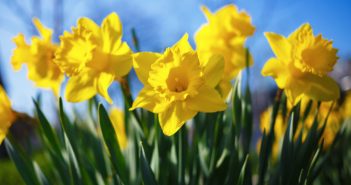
[(181, 81)]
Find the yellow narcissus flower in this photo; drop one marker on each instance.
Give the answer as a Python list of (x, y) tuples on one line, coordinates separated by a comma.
[(177, 85), (117, 119), (93, 58), (39, 58), (302, 64), (7, 115), (225, 34)]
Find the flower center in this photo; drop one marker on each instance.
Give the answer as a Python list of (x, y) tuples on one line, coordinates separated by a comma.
[(100, 60), (177, 81)]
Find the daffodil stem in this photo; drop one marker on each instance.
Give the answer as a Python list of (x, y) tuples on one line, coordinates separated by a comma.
[(156, 125), (135, 40), (181, 153), (128, 98)]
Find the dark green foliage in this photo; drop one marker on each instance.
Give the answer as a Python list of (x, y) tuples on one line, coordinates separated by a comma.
[(216, 148)]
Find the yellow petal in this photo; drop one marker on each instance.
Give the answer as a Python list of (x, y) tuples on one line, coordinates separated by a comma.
[(208, 100), (142, 64), (280, 45), (112, 32), (120, 65), (22, 52), (2, 136), (81, 87), (88, 25), (295, 91), (206, 12), (205, 38), (276, 69), (4, 100), (183, 46), (227, 11), (303, 32), (213, 70), (173, 118), (322, 88), (149, 100), (124, 49), (46, 33), (224, 87), (7, 116), (104, 81)]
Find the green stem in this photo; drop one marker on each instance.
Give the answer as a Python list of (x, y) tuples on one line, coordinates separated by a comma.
[(128, 97), (181, 160)]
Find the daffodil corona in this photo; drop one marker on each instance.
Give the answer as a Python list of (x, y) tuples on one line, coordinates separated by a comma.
[(302, 64), (225, 34), (177, 85), (39, 58), (7, 115), (93, 58)]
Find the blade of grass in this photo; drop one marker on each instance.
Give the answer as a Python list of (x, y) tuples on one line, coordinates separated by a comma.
[(110, 139), (241, 179), (23, 164), (267, 142), (146, 172)]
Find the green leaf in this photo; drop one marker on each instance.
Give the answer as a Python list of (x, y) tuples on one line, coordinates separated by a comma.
[(111, 141), (155, 160), (241, 179), (79, 172), (287, 153), (135, 40), (42, 178), (146, 172), (76, 173), (247, 120), (23, 164), (236, 102), (267, 141), (309, 178), (181, 154), (47, 130)]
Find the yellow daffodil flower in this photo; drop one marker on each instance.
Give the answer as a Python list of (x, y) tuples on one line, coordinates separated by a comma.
[(177, 84), (302, 64), (93, 58), (225, 34), (7, 115), (117, 119), (38, 56)]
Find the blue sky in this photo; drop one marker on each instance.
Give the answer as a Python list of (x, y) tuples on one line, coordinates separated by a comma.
[(160, 23)]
